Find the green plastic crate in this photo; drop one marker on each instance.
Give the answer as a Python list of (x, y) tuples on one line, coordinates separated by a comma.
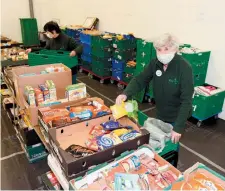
[(207, 106), (102, 72), (198, 61), (144, 51), (101, 64), (101, 52), (127, 77), (101, 59), (36, 152), (86, 65), (50, 57), (29, 31), (130, 70), (124, 44), (98, 41), (144, 46), (140, 66), (199, 79), (124, 55), (169, 145)]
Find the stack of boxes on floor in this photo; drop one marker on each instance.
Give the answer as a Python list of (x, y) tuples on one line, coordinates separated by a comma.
[(125, 50), (101, 50), (86, 59)]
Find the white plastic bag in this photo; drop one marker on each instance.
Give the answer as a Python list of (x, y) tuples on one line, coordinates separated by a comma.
[(160, 133)]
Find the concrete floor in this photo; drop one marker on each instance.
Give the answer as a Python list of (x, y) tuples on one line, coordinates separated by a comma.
[(204, 144)]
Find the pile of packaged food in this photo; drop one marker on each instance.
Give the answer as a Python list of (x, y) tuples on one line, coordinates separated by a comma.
[(131, 64), (46, 93), (108, 134), (61, 116), (141, 170), (14, 53), (128, 36)]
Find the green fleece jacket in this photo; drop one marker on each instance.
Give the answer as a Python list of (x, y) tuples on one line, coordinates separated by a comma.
[(172, 90), (63, 42)]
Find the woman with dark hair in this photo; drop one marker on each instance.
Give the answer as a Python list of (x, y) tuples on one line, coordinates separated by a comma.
[(59, 40)]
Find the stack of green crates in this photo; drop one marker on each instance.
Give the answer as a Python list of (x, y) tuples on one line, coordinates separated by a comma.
[(143, 58), (101, 50), (124, 52), (29, 31), (199, 62)]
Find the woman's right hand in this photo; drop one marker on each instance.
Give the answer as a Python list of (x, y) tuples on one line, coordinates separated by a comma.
[(121, 98), (28, 50)]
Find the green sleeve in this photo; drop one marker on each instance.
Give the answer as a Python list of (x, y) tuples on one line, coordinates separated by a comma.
[(139, 82), (187, 90), (73, 45)]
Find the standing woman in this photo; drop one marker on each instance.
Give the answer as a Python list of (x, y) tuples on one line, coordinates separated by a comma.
[(173, 85)]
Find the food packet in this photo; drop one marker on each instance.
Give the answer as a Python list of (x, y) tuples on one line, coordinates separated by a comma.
[(52, 114), (129, 108), (110, 125), (82, 112), (78, 151)]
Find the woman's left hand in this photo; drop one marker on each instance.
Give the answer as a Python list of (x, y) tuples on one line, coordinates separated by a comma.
[(175, 137)]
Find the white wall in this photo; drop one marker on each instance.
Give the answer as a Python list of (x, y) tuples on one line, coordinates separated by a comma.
[(11, 11), (200, 23)]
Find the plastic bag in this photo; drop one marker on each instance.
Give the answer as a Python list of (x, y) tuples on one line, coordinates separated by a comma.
[(160, 132)]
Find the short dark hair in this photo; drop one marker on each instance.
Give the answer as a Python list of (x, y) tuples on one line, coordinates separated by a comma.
[(52, 26)]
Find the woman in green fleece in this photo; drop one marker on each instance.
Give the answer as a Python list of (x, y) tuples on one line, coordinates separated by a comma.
[(172, 85)]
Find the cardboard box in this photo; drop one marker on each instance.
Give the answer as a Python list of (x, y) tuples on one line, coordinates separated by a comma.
[(60, 79), (21, 81), (62, 138), (77, 103)]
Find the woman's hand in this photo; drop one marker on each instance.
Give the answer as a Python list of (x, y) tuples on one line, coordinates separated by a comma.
[(28, 50), (175, 137), (121, 98), (73, 53)]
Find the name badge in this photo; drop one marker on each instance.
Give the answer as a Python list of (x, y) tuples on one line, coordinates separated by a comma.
[(158, 73)]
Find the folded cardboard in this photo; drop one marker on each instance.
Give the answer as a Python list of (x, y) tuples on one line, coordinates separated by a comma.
[(60, 79), (62, 138), (77, 103)]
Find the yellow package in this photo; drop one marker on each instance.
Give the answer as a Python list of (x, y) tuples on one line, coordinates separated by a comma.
[(118, 111), (120, 132), (129, 108)]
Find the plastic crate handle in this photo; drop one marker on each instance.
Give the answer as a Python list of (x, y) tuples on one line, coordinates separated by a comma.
[(60, 52), (44, 56)]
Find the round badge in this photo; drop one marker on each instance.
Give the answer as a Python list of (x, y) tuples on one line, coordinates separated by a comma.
[(158, 73)]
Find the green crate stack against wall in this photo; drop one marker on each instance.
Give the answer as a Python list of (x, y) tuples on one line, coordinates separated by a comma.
[(101, 50), (124, 51), (143, 58), (29, 31)]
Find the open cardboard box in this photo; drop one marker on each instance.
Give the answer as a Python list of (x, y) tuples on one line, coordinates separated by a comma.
[(21, 81), (61, 80), (93, 175), (77, 103), (61, 138)]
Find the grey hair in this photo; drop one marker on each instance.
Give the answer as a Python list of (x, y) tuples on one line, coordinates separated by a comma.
[(166, 40)]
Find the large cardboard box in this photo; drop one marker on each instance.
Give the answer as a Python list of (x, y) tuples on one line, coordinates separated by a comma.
[(62, 138), (61, 80)]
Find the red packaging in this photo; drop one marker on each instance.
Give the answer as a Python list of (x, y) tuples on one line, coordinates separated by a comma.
[(92, 144)]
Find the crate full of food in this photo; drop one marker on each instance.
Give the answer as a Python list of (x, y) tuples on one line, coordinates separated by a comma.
[(140, 169), (102, 41), (207, 101), (124, 42), (99, 140)]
